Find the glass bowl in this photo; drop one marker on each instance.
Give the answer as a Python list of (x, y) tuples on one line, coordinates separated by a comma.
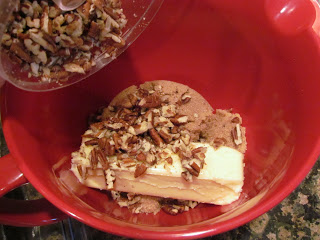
[(139, 13)]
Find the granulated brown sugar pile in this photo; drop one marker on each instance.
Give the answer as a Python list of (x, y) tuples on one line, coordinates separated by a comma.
[(51, 44)]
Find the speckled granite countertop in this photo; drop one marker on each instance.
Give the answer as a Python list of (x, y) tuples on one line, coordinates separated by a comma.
[(297, 217)]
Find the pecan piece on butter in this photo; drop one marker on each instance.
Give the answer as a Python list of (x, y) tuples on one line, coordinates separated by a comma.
[(155, 137), (102, 159), (186, 176), (140, 169), (198, 150), (169, 160), (165, 136), (117, 141), (193, 171), (141, 157), (195, 167), (94, 158)]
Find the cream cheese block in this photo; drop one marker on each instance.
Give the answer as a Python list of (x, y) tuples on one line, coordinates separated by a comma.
[(219, 182)]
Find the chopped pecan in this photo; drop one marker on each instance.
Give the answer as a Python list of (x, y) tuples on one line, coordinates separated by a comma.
[(155, 137), (88, 136), (91, 142), (44, 40), (117, 141), (141, 157), (102, 142), (102, 159), (198, 150), (79, 167), (236, 134), (174, 130), (94, 30), (165, 136), (110, 150), (142, 93), (179, 120), (169, 160), (193, 171), (93, 158), (185, 98), (195, 167), (219, 142), (133, 99), (235, 120), (140, 169), (186, 176), (84, 11), (150, 101), (172, 209), (110, 12), (18, 49)]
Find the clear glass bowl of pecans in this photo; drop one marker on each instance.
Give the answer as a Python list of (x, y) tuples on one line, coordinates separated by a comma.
[(44, 48)]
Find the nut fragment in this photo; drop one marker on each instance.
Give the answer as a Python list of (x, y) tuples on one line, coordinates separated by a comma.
[(236, 134), (155, 137), (185, 98), (141, 157), (140, 169), (17, 48), (151, 101), (179, 120)]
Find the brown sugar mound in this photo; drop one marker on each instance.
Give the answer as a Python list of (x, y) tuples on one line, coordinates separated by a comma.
[(216, 128)]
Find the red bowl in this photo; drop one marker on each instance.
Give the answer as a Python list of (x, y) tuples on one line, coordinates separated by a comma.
[(237, 54)]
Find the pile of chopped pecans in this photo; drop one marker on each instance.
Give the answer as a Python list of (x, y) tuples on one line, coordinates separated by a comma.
[(51, 44), (143, 131)]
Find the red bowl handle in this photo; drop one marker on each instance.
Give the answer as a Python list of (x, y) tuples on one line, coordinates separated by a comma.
[(291, 17), (23, 213)]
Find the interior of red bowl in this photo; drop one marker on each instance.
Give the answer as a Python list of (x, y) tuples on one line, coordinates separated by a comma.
[(230, 54)]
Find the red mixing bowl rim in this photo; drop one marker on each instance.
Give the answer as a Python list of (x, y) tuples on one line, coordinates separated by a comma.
[(146, 232)]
